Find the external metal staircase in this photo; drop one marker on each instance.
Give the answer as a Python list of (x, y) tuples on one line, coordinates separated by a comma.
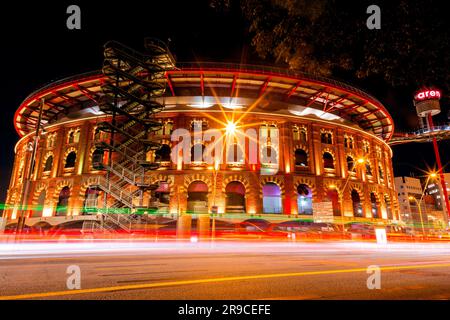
[(134, 83)]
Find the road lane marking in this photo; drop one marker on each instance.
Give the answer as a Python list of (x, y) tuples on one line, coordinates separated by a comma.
[(210, 280)]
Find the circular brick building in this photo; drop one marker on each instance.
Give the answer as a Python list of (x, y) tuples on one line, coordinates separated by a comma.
[(332, 160)]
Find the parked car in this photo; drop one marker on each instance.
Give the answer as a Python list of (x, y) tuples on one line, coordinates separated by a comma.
[(361, 231)]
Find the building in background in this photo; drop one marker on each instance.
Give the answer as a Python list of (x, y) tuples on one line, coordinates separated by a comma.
[(434, 189), (408, 187), (413, 191)]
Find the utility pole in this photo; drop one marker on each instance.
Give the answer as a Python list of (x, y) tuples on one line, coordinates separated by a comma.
[(427, 105), (31, 165)]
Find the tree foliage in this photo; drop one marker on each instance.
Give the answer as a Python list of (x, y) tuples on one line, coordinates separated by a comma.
[(328, 37)]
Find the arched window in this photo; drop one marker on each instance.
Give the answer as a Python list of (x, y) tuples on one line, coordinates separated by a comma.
[(197, 201), (235, 197), (303, 137), (348, 142), (48, 164), (301, 158), (51, 140), (37, 212), (70, 160), (63, 202), (326, 137), (97, 159), (357, 206), (366, 147), (368, 169), (350, 164), (296, 133), (380, 171), (374, 205), (268, 131), (304, 199), (387, 201), (77, 136), (163, 153), (90, 200), (197, 152), (272, 198), (328, 160), (71, 137)]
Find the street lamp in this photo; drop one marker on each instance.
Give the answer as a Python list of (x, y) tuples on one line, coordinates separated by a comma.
[(230, 127), (411, 198), (215, 170), (31, 166)]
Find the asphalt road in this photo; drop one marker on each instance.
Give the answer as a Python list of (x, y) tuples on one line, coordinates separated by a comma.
[(240, 270)]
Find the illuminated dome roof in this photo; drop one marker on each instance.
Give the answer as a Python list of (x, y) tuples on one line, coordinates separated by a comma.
[(232, 86)]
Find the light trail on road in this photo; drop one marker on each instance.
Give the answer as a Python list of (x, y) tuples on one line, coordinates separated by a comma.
[(215, 270), (211, 280)]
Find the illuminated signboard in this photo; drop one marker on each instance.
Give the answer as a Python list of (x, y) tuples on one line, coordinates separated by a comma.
[(427, 94)]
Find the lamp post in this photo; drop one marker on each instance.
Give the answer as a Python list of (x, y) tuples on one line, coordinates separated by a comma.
[(420, 212), (431, 175), (26, 186), (215, 169)]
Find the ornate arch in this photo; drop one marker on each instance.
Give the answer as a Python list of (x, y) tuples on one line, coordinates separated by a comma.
[(69, 150), (274, 179), (91, 154), (333, 185), (85, 185), (333, 155), (330, 151), (46, 156), (188, 179), (155, 178), (38, 190), (327, 131), (303, 147), (59, 186), (373, 189), (237, 177), (307, 181), (358, 188)]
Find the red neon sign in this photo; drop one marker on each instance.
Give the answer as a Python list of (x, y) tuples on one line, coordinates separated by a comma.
[(428, 94)]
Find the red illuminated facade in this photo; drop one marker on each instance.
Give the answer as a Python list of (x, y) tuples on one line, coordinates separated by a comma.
[(333, 150)]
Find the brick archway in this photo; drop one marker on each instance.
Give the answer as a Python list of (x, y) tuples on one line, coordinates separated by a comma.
[(273, 179), (37, 192), (154, 179), (306, 181), (59, 186), (238, 178), (197, 177)]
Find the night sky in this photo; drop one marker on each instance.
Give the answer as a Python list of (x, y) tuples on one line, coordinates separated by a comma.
[(37, 48)]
